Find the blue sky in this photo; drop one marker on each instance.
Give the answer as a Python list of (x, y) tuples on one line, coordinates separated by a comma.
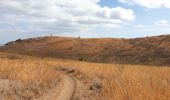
[(84, 18)]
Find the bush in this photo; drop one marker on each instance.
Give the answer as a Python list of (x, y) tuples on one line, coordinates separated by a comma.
[(81, 59), (6, 44), (19, 40)]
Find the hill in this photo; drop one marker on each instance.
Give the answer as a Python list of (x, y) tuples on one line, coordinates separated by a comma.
[(149, 50)]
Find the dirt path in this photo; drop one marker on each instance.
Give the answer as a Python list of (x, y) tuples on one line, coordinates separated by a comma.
[(64, 91), (68, 88)]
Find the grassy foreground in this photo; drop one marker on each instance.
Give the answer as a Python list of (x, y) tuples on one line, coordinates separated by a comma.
[(30, 77), (124, 82)]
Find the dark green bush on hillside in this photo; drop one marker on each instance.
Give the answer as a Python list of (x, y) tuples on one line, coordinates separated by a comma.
[(19, 40), (81, 58)]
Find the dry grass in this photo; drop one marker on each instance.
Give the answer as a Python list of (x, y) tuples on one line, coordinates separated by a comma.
[(124, 82), (119, 82), (25, 79), (149, 50)]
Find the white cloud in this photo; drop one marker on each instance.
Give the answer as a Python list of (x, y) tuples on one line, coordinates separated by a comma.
[(59, 16), (139, 26), (161, 23), (149, 3)]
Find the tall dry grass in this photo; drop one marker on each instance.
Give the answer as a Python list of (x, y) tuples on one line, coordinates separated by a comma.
[(25, 79), (119, 82), (124, 82)]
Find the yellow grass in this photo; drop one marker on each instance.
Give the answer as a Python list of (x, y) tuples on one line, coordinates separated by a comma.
[(34, 77), (119, 82), (125, 82)]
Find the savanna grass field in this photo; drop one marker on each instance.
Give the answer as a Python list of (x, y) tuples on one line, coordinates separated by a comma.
[(84, 49), (28, 77)]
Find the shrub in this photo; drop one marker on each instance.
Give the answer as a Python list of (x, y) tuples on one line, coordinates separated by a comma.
[(81, 59), (6, 44), (19, 40)]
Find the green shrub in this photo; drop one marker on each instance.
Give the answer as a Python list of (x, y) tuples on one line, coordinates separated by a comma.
[(81, 58)]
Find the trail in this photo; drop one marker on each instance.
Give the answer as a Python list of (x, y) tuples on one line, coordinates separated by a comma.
[(68, 88), (63, 91)]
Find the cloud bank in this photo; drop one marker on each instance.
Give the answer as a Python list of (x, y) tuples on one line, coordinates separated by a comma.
[(59, 16)]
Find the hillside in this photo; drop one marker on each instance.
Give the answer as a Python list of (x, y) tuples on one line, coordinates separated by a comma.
[(149, 50)]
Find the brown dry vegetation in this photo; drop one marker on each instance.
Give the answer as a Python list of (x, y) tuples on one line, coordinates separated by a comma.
[(123, 82), (148, 50), (119, 81), (25, 78), (32, 77)]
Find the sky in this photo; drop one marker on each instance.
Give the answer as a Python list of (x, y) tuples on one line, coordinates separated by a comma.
[(84, 18)]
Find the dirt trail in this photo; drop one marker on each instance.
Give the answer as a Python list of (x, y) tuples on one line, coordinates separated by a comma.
[(68, 88), (64, 91)]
